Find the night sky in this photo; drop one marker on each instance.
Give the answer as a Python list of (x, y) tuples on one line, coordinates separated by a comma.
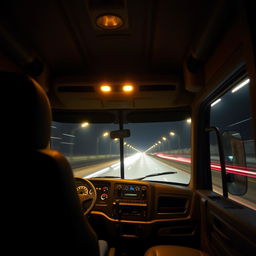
[(233, 113), (143, 136)]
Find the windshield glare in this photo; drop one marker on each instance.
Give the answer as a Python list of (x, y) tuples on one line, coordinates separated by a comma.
[(158, 151)]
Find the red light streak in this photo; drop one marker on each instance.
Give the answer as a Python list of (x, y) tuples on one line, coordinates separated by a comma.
[(240, 170)]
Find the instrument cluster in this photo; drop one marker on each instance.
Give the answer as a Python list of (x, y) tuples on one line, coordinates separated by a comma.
[(103, 191)]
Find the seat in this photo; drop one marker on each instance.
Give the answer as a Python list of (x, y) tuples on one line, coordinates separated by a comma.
[(172, 250), (42, 211)]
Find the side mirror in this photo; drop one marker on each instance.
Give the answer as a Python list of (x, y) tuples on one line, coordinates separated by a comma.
[(233, 147), (120, 134)]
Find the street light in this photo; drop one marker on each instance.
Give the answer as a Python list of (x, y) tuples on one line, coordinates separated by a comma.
[(72, 135), (104, 135), (84, 124), (166, 140), (174, 134), (110, 145)]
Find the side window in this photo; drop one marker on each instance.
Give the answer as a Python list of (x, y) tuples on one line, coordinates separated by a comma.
[(231, 114)]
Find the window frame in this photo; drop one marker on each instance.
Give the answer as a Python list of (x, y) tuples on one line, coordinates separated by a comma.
[(221, 90)]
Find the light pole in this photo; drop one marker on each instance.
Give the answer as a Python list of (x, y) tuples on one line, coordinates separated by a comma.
[(159, 143), (165, 140), (110, 145), (103, 135), (82, 125), (178, 137)]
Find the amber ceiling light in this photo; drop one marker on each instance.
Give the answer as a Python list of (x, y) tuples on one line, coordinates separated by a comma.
[(105, 88), (127, 88), (109, 21)]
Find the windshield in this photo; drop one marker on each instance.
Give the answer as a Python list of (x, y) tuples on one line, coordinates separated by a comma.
[(158, 151)]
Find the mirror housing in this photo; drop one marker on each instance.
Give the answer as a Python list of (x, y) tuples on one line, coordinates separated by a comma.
[(120, 134), (233, 147)]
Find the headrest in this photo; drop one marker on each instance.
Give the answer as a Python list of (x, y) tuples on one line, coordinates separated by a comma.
[(28, 112)]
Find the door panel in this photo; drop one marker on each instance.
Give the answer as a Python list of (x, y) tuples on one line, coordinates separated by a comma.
[(227, 228)]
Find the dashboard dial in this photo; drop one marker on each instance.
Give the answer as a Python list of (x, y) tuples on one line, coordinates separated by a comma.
[(104, 196), (82, 190)]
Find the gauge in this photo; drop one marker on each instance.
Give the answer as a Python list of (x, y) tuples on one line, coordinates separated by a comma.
[(82, 190), (104, 196)]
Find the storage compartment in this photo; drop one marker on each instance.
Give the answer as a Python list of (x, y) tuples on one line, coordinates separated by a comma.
[(172, 204)]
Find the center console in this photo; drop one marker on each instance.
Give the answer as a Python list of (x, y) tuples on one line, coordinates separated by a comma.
[(130, 201), (122, 200)]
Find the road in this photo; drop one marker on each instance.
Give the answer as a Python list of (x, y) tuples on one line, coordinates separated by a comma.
[(178, 169), (138, 166)]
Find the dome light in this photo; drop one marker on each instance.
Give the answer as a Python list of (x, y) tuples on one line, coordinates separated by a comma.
[(128, 88), (109, 21), (105, 88)]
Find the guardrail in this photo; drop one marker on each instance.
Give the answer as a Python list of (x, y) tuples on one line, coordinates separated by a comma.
[(79, 161), (240, 170)]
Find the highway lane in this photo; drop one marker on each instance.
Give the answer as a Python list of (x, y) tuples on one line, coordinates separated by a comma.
[(140, 165)]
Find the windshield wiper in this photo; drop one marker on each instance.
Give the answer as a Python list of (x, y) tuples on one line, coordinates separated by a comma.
[(155, 174)]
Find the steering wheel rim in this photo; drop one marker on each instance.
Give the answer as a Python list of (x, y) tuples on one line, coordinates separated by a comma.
[(86, 197)]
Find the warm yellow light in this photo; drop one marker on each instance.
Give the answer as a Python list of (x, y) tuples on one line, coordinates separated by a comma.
[(189, 120), (109, 22), (128, 88), (172, 133), (106, 88), (105, 134), (84, 124)]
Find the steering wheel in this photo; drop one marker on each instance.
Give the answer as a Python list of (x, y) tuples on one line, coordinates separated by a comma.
[(87, 194)]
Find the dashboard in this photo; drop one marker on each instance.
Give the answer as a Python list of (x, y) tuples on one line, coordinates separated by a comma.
[(132, 209), (131, 200)]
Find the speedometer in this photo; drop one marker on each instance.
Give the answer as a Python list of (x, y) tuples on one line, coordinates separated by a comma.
[(82, 190)]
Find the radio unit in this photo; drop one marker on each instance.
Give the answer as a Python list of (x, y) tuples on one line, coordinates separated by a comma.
[(131, 191)]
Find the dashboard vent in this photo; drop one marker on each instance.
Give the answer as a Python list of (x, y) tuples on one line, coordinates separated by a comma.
[(172, 204)]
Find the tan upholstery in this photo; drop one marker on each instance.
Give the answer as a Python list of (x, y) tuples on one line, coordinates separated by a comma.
[(172, 250)]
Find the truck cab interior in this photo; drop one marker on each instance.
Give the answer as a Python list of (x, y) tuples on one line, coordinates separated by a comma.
[(129, 127)]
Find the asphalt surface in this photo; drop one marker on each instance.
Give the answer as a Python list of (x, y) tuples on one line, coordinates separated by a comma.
[(141, 165)]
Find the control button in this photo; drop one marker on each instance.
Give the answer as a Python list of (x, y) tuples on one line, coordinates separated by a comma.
[(144, 192), (119, 190), (119, 187), (137, 188), (105, 188)]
